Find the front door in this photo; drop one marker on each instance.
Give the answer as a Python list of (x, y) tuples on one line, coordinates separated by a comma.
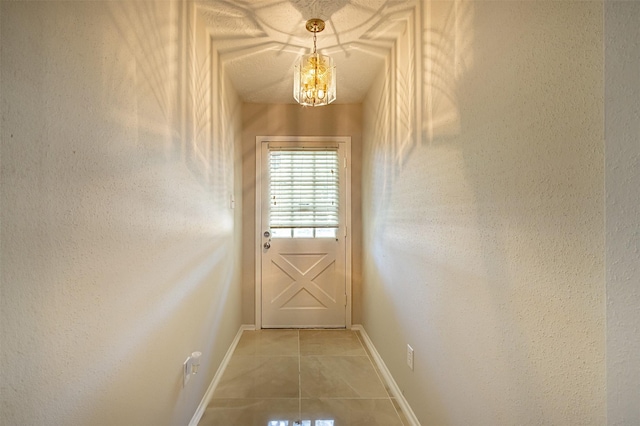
[(303, 234)]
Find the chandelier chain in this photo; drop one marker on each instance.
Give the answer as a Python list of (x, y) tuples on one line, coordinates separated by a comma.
[(314, 37)]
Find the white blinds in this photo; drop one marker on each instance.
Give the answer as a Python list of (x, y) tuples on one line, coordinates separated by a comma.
[(303, 189)]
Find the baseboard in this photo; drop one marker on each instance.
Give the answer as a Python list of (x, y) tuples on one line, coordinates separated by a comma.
[(216, 379), (386, 375)]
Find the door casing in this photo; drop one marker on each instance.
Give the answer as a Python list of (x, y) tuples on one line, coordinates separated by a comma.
[(346, 140)]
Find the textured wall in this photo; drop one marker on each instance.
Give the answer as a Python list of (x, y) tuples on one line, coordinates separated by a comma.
[(118, 243), (483, 213), (622, 202), (294, 120)]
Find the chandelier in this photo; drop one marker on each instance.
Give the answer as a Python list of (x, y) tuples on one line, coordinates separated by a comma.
[(314, 79)]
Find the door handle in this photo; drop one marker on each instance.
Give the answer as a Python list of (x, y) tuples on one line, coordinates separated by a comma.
[(267, 245)]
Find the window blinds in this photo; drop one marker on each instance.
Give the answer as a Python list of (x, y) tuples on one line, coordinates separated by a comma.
[(303, 188)]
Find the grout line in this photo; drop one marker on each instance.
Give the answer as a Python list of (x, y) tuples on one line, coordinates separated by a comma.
[(299, 382), (345, 398)]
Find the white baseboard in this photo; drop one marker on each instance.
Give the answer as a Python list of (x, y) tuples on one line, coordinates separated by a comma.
[(216, 379), (386, 375)]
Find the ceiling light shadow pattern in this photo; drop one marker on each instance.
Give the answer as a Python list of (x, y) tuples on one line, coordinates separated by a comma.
[(154, 54), (447, 40), (202, 107), (423, 49), (260, 40), (429, 51), (415, 100), (197, 105)]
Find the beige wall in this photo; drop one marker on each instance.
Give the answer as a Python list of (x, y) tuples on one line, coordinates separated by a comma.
[(622, 203), (119, 250), (294, 120), (483, 213)]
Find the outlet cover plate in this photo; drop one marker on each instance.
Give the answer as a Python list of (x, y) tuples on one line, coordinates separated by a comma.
[(410, 356)]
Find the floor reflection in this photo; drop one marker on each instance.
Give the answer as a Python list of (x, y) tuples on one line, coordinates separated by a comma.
[(302, 423)]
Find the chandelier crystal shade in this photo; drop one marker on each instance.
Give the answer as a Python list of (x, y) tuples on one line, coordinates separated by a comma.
[(314, 81)]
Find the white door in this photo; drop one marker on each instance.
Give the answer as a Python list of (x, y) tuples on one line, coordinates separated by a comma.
[(303, 248)]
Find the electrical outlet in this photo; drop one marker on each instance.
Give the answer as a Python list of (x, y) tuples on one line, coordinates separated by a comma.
[(410, 356)]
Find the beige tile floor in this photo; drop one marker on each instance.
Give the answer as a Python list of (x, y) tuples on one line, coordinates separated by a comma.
[(301, 378)]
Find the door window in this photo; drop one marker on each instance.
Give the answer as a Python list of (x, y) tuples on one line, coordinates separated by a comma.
[(304, 193)]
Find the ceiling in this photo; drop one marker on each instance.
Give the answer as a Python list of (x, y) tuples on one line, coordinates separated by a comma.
[(258, 42)]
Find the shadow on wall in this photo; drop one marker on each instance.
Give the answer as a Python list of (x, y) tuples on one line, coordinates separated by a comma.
[(487, 212), (426, 50), (247, 34), (417, 101), (175, 68), (430, 53), (133, 257)]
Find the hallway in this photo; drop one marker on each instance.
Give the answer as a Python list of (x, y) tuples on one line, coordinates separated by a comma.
[(494, 210), (316, 377)]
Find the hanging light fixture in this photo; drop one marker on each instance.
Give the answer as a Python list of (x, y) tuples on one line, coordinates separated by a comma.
[(314, 80)]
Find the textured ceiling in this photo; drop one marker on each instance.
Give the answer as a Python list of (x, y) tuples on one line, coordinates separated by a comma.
[(258, 42)]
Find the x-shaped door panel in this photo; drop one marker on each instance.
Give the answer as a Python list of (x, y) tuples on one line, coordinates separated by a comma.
[(303, 281)]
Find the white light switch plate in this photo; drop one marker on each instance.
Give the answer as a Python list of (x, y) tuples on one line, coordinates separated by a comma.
[(186, 371)]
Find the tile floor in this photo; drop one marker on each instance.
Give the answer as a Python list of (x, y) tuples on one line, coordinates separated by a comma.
[(302, 378)]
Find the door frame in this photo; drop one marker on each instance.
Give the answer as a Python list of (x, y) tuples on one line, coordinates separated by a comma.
[(346, 140)]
